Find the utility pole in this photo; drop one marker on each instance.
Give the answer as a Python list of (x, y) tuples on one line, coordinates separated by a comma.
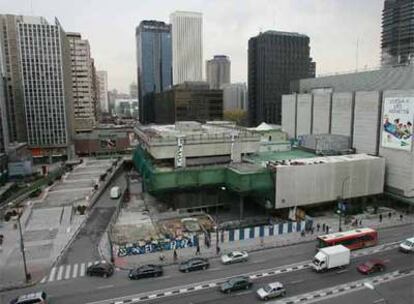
[(27, 275), (222, 188), (340, 203)]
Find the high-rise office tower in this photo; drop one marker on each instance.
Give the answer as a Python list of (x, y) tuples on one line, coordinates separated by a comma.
[(154, 60), (39, 84), (397, 43), (234, 96), (102, 80), (218, 71), (84, 103), (274, 60), (187, 46), (133, 90), (4, 131)]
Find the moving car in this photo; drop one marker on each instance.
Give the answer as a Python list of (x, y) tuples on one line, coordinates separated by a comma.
[(194, 264), (236, 283), (146, 271), (371, 266), (100, 270), (115, 192), (271, 290), (407, 246), (234, 257), (39, 297)]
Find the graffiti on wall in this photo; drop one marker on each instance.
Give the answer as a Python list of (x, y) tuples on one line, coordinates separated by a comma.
[(154, 246)]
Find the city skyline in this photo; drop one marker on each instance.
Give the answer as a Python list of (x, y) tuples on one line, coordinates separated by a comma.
[(317, 19)]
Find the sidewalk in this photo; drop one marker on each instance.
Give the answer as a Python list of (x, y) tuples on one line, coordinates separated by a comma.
[(256, 243)]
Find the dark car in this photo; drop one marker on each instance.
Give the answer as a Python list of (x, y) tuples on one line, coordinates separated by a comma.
[(100, 270), (236, 283), (371, 266), (146, 271), (194, 264)]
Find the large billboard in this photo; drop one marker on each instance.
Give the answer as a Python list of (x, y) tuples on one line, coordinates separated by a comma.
[(397, 127)]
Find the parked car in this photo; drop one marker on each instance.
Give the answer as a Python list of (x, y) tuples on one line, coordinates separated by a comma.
[(39, 297), (234, 257), (100, 270), (371, 266), (146, 271), (407, 246), (194, 264), (271, 290), (235, 284)]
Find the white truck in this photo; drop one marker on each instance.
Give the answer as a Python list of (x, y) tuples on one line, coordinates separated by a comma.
[(331, 257), (115, 192)]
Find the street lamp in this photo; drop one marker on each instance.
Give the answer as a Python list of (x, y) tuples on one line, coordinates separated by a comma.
[(372, 287), (340, 203), (222, 188), (27, 275)]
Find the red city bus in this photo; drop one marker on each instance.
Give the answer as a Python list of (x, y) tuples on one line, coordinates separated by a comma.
[(353, 239)]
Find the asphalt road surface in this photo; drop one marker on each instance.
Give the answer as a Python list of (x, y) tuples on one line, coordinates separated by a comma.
[(85, 289), (85, 247)]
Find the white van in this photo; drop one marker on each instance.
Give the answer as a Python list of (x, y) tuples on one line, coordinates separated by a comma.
[(115, 192), (407, 245)]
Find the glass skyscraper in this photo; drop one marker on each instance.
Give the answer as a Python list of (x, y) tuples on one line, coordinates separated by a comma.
[(154, 60)]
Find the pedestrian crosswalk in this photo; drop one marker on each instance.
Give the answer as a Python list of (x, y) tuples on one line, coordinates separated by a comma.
[(66, 272)]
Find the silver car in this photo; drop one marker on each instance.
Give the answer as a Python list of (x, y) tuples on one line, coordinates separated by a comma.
[(271, 290)]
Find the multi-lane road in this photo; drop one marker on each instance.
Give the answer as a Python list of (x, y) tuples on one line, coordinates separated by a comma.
[(288, 265)]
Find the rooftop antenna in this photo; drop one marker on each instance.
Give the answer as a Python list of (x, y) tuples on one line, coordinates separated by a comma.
[(31, 7)]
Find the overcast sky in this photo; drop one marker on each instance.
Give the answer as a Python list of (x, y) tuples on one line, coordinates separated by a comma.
[(334, 27)]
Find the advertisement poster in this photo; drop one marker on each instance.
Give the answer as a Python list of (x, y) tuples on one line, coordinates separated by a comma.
[(397, 127)]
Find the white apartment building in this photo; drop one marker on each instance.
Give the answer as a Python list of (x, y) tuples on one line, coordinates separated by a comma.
[(102, 77), (82, 83), (187, 46)]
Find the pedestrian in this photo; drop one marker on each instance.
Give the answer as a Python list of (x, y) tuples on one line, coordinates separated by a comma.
[(218, 250), (302, 233), (318, 226), (208, 243), (401, 217), (198, 250), (323, 227), (327, 229), (380, 217), (312, 230), (360, 222), (389, 215), (175, 255)]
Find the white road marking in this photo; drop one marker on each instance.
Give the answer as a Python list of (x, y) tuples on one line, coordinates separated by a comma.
[(67, 273), (60, 273), (52, 274), (82, 270), (43, 280), (75, 271), (106, 286)]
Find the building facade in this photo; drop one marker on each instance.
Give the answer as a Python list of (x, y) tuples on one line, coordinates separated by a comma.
[(102, 79), (83, 87), (397, 45), (46, 85), (189, 101), (274, 59), (218, 71), (374, 110), (4, 131), (187, 46), (154, 60), (16, 117), (235, 96)]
